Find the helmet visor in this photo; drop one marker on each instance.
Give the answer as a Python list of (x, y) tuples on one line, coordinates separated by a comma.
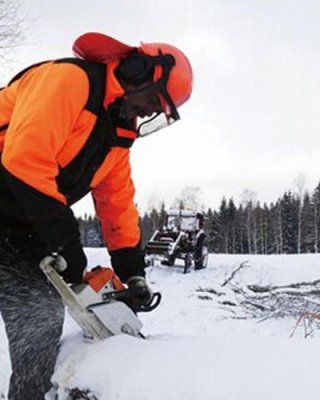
[(151, 107), (159, 120), (146, 126)]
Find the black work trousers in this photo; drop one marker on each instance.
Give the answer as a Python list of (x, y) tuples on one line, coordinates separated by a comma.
[(33, 315)]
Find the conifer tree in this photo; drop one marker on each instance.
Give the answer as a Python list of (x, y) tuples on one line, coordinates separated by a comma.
[(231, 226), (307, 226), (289, 216), (316, 218), (212, 229)]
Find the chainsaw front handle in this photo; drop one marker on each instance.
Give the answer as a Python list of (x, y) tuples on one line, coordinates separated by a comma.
[(127, 294), (153, 303)]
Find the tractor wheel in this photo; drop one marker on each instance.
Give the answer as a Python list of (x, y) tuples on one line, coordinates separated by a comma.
[(187, 263), (201, 254)]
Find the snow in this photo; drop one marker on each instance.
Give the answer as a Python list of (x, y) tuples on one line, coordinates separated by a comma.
[(195, 349)]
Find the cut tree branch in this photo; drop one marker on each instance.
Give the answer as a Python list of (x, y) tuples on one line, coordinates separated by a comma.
[(242, 265)]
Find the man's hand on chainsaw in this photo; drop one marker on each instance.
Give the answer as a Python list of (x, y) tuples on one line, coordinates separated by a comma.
[(129, 264), (70, 263), (142, 292), (57, 262), (76, 263)]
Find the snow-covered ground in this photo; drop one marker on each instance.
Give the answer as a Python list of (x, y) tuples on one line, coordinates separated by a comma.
[(199, 348)]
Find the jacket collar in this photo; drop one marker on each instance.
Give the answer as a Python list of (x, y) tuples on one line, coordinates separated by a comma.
[(113, 88)]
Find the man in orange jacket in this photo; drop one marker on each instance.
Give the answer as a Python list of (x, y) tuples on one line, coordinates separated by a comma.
[(66, 127)]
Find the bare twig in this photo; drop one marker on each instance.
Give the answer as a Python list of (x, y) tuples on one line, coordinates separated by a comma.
[(242, 265), (298, 285), (310, 320)]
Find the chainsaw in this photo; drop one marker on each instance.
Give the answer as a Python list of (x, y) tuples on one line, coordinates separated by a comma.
[(102, 306)]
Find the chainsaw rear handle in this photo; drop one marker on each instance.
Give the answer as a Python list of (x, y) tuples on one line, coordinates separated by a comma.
[(56, 262)]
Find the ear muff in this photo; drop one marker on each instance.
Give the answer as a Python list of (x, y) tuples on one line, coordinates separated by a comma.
[(136, 69)]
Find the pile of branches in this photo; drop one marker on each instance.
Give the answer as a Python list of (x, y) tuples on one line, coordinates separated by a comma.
[(264, 302)]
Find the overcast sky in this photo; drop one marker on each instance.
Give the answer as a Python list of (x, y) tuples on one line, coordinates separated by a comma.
[(253, 120)]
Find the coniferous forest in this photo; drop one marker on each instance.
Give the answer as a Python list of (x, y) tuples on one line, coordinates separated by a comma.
[(289, 225)]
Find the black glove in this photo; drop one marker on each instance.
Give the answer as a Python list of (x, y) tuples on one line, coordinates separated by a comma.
[(143, 294), (128, 262), (76, 263)]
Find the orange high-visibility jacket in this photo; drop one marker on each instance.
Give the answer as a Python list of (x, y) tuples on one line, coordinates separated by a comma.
[(57, 139)]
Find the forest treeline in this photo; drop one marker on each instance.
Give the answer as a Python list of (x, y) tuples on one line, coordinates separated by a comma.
[(287, 226)]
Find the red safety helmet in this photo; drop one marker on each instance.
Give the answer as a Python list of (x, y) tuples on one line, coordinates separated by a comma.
[(100, 48), (180, 81), (172, 79)]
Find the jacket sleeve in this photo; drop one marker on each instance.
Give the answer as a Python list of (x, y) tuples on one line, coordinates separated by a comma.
[(115, 208), (114, 202), (47, 105)]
